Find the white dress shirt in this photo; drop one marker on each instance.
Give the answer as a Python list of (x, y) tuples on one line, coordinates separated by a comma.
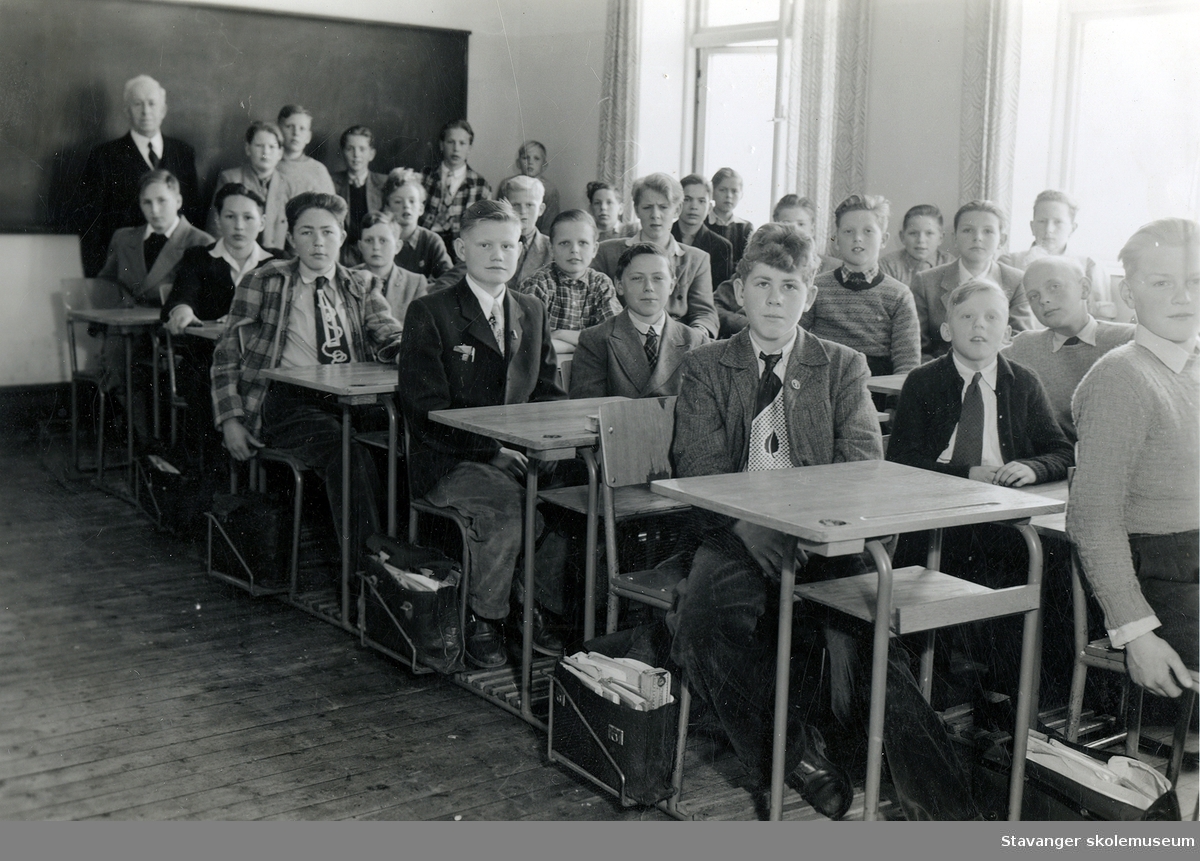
[(991, 431), (300, 351), (143, 145)]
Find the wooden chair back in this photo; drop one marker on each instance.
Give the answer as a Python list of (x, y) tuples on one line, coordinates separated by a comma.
[(635, 440)]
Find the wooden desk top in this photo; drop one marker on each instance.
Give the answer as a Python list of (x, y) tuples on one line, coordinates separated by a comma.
[(543, 426), (886, 384), (348, 379), (1052, 524), (207, 331), (840, 505), (127, 319)]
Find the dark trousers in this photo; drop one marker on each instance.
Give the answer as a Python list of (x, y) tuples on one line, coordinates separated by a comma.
[(726, 639), (1169, 572), (309, 427)]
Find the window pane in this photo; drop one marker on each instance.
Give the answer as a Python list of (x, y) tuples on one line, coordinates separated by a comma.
[(738, 132), (722, 13), (1137, 141)]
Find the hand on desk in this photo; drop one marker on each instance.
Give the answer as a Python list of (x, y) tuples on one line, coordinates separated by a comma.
[(1012, 474), (766, 546), (181, 317), (1155, 666), (239, 441), (512, 462)]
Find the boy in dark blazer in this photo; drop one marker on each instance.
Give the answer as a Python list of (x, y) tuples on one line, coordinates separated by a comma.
[(477, 344), (358, 185), (691, 229), (619, 357), (774, 397)]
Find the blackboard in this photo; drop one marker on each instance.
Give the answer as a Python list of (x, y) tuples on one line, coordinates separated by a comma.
[(64, 63)]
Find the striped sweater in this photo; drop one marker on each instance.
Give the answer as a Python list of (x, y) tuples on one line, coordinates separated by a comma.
[(879, 321)]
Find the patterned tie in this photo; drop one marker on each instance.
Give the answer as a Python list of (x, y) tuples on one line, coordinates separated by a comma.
[(152, 155), (968, 444), (332, 345), (497, 331), (651, 347), (1071, 341), (152, 247), (768, 384)]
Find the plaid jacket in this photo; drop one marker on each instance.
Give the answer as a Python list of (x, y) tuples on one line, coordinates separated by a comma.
[(257, 331), (573, 303), (442, 215)]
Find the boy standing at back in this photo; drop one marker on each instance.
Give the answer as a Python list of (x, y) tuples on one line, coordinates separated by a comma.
[(472, 345), (690, 228), (304, 172), (524, 194), (921, 238), (358, 185), (1073, 339), (979, 230), (452, 186)]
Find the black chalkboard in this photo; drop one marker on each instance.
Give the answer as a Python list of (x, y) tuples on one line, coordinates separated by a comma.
[(63, 64)]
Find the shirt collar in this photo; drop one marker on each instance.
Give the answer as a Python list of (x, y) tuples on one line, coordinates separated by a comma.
[(964, 274), (458, 172), (785, 353), (486, 300), (672, 247), (562, 277), (1087, 334), (143, 142), (1173, 355), (657, 325), (167, 233), (308, 276), (968, 374), (713, 218)]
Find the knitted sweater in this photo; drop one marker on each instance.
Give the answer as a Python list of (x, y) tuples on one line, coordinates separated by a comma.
[(880, 320), (1061, 372), (307, 174), (1138, 469)]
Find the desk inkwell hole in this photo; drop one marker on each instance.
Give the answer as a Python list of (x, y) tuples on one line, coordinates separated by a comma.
[(829, 521), (551, 436)]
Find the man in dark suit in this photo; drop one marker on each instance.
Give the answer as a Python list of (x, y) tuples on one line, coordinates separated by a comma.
[(109, 185), (478, 344)]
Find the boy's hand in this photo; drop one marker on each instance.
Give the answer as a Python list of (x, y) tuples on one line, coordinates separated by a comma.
[(1152, 662), (1015, 474), (239, 441), (986, 474), (512, 462), (181, 316), (766, 546)]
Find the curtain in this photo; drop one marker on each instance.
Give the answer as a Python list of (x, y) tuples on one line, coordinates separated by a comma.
[(618, 104)]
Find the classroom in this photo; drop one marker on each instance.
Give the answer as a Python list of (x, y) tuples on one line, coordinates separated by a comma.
[(600, 410)]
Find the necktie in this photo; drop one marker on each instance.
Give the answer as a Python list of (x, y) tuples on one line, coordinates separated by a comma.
[(152, 155), (152, 247), (1071, 341), (651, 347), (968, 443), (497, 331), (332, 346), (768, 384)]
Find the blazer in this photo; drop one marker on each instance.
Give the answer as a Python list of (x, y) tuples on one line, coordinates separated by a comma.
[(107, 198), (931, 402), (275, 229), (931, 287), (375, 181), (718, 248), (449, 359), (691, 299), (126, 263), (737, 232), (610, 360), (205, 283), (400, 288), (533, 257)]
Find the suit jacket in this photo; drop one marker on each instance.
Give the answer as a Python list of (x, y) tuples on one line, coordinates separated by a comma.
[(400, 288), (205, 283), (610, 360), (449, 359), (718, 248), (737, 232), (126, 263), (375, 181), (275, 229), (931, 288), (930, 405), (691, 299), (108, 192), (532, 258)]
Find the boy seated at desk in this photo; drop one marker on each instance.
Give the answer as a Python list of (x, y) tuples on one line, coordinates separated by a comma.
[(638, 353), (378, 234), (299, 313), (1073, 339), (478, 344), (203, 292), (419, 250), (775, 397), (1135, 499)]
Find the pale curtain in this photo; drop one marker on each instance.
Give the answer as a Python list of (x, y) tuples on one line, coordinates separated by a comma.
[(618, 105)]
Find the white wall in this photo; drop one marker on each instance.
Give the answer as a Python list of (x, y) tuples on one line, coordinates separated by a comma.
[(534, 71)]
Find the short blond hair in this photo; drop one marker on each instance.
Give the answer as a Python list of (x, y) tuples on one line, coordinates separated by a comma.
[(1169, 232), (521, 182)]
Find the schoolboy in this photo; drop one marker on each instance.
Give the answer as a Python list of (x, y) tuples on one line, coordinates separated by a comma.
[(858, 305), (524, 194), (921, 239), (575, 295), (775, 396), (1073, 339), (1134, 500), (726, 193), (297, 313), (358, 185), (638, 353), (1053, 223), (420, 250), (378, 235), (531, 162), (304, 172), (604, 202), (690, 229), (472, 345), (260, 174), (452, 185), (979, 230), (657, 199)]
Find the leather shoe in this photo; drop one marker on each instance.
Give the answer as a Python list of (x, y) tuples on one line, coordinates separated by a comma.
[(546, 638), (819, 782), (485, 643)]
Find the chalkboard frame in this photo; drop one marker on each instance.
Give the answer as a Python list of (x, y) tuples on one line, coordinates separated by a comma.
[(41, 161)]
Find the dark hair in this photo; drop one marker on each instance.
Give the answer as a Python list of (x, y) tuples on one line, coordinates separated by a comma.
[(637, 251), (160, 174), (400, 177), (264, 126), (291, 110), (307, 200), (573, 216), (779, 246), (872, 203), (382, 217), (488, 210), (599, 185), (360, 131), (982, 206), (457, 124), (696, 179), (923, 210), (236, 189), (723, 174), (794, 201)]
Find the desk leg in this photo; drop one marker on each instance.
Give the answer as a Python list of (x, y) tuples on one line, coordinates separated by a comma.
[(879, 661), (155, 394), (589, 553), (1030, 643), (347, 550), (389, 403), (783, 660), (129, 470), (531, 492)]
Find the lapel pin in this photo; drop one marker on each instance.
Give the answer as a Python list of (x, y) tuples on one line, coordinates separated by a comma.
[(796, 385)]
